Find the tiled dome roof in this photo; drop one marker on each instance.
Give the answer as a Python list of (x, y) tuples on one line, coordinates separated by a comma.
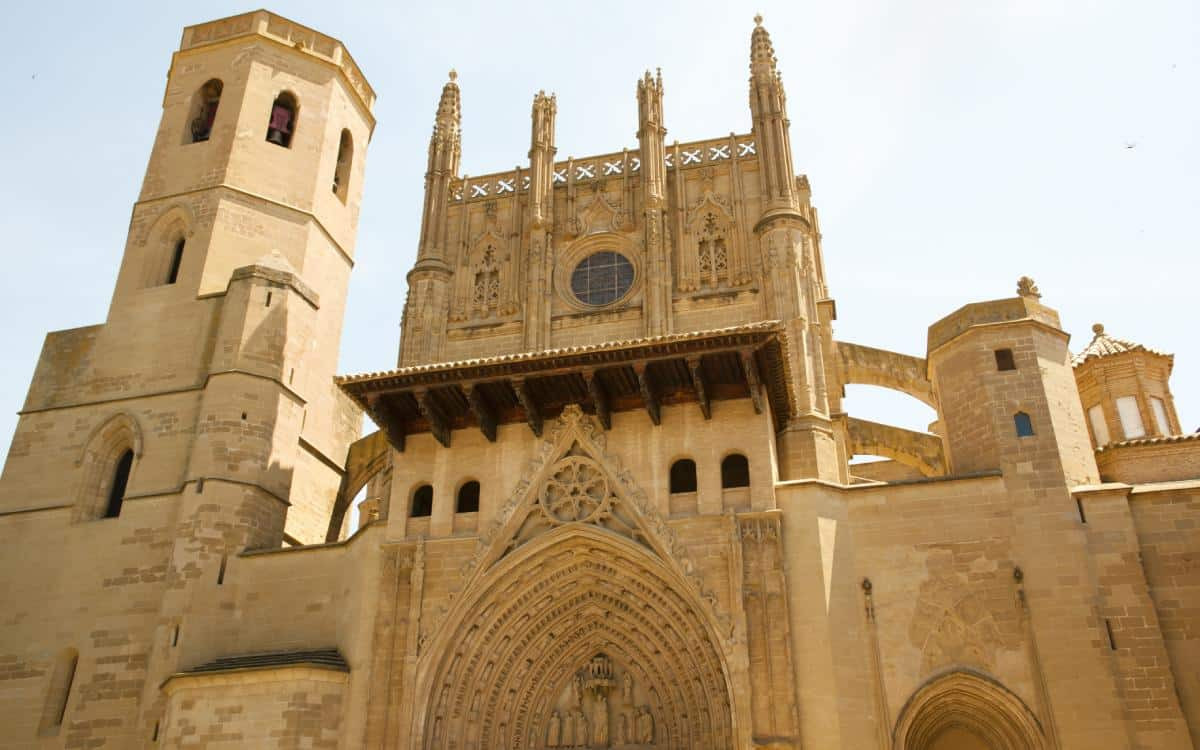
[(1103, 345)]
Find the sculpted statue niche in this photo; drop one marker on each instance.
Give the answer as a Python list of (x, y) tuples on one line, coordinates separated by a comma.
[(600, 708)]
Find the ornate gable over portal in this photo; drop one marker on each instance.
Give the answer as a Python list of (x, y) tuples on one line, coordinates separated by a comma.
[(581, 621)]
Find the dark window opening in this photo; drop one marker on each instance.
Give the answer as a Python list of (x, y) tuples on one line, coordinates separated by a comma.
[(221, 570), (204, 111), (116, 493), (468, 498), (1023, 423), (1004, 360), (683, 475), (176, 262), (341, 172), (282, 125), (735, 471), (422, 502)]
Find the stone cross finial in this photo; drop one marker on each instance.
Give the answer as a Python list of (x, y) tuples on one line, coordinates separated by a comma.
[(1026, 287), (758, 19)]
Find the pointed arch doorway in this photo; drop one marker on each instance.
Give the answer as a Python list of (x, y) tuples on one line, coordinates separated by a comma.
[(581, 622), (581, 639)]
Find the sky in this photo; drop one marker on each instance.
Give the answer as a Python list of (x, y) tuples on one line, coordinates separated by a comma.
[(952, 147)]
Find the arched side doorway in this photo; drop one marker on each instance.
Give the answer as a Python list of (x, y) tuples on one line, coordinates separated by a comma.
[(580, 637), (966, 710)]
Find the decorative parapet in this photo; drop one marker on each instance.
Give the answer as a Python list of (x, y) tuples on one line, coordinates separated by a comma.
[(605, 166), (267, 24)]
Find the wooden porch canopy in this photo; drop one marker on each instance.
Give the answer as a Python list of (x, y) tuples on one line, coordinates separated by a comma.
[(531, 387)]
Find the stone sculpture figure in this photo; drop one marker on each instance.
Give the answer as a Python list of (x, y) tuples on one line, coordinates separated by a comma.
[(581, 727), (645, 725), (600, 735), (554, 730), (627, 688), (568, 734), (623, 730)]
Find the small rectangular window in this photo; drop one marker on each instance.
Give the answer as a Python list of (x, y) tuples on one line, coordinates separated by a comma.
[(1023, 424), (1004, 360), (1160, 415), (1131, 417), (1099, 426)]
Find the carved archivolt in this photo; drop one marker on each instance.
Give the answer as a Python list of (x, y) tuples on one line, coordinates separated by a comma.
[(970, 701), (580, 619), (510, 660)]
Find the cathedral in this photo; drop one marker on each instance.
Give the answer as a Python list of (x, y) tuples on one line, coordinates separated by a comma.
[(608, 495)]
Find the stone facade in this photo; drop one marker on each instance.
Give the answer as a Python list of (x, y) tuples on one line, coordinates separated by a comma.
[(610, 503)]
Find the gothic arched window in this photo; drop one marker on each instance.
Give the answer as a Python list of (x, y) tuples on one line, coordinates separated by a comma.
[(176, 261), (204, 110), (120, 480), (282, 126)]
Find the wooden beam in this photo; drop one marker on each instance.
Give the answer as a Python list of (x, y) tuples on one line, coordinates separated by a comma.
[(437, 423), (750, 366), (599, 398), (385, 416), (533, 414), (482, 410), (648, 396), (698, 386)]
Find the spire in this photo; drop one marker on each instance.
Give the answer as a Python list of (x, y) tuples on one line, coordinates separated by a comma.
[(762, 52), (651, 136), (1105, 345), (768, 109), (445, 150), (541, 156)]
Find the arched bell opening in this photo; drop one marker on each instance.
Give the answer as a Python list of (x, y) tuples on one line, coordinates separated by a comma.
[(509, 655)]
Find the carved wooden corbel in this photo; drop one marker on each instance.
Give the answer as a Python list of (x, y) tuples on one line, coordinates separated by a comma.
[(385, 416), (484, 414), (698, 385), (750, 366), (533, 414), (437, 423), (649, 398), (600, 399)]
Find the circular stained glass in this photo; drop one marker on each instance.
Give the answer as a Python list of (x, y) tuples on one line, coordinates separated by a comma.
[(602, 278)]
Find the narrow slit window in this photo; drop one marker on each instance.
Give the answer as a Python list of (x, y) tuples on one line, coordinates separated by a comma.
[(683, 476), (1023, 423), (204, 111), (468, 498), (1004, 360), (120, 480), (281, 128), (176, 261), (341, 171), (735, 471), (55, 708), (422, 502)]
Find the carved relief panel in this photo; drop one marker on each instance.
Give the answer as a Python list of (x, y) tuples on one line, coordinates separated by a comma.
[(711, 254), (484, 283)]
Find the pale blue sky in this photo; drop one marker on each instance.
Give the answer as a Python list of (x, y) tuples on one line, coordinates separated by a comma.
[(951, 146)]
